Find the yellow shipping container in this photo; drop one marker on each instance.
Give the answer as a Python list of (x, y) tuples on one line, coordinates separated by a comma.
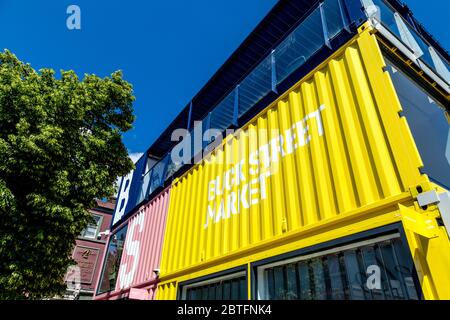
[(331, 157)]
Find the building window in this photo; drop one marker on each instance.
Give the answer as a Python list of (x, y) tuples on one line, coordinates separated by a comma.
[(229, 287), (111, 263), (92, 228), (376, 269), (429, 125)]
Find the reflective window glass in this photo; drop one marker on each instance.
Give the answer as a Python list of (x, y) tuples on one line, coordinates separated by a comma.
[(232, 287), (429, 126), (375, 271), (112, 261)]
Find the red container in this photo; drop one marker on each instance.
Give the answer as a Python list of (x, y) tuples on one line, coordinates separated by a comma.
[(142, 250)]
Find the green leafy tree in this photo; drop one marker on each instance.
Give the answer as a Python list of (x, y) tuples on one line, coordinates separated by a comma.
[(60, 147)]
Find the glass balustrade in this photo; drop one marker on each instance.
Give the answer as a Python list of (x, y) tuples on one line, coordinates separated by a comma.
[(323, 24)]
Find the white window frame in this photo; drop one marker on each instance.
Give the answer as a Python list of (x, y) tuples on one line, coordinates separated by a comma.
[(262, 290), (99, 225)]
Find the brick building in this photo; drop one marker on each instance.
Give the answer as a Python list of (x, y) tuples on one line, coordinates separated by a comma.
[(89, 249)]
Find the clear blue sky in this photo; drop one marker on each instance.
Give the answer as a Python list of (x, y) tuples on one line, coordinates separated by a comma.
[(166, 49)]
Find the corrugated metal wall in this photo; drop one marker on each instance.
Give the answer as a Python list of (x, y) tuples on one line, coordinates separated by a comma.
[(334, 143), (167, 291), (143, 244)]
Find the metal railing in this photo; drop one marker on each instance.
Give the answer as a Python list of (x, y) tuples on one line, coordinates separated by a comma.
[(317, 30), (402, 33)]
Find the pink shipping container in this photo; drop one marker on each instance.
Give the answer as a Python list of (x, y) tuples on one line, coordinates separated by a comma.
[(142, 251)]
